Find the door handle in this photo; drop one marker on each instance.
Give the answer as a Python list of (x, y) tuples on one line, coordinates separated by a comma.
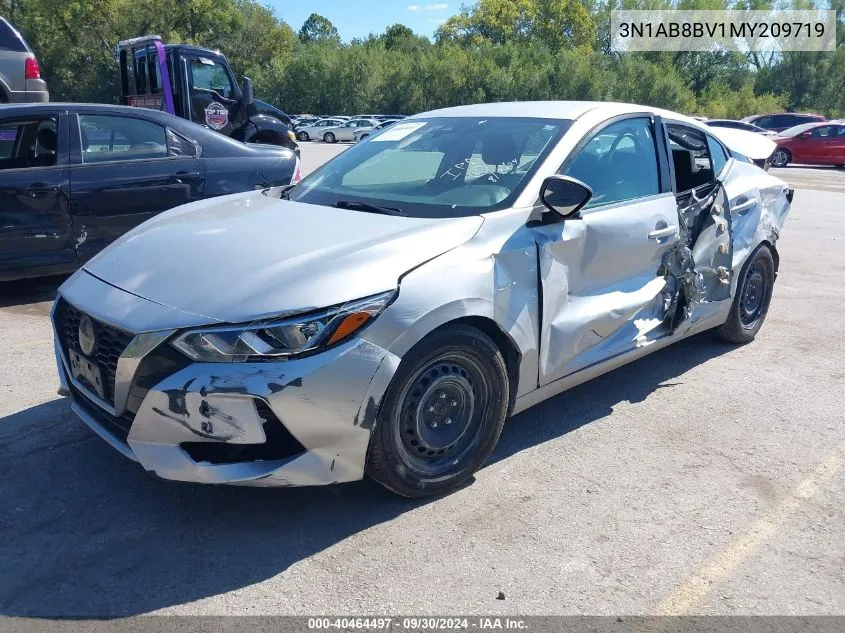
[(745, 205), (182, 176), (38, 188), (658, 234)]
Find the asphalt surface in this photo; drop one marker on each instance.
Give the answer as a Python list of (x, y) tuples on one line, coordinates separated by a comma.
[(705, 478)]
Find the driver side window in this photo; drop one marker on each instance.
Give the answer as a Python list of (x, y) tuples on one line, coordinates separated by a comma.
[(619, 163), (207, 74)]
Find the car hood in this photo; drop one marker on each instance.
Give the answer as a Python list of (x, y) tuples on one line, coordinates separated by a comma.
[(250, 256)]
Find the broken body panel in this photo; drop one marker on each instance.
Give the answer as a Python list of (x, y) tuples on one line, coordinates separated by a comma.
[(567, 299)]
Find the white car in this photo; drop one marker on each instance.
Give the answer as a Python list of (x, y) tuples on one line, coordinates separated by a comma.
[(385, 315), (315, 130), (347, 130), (363, 132)]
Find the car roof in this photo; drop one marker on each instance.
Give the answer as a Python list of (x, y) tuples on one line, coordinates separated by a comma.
[(564, 110)]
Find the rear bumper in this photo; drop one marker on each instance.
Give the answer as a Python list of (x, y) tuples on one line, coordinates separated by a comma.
[(36, 92)]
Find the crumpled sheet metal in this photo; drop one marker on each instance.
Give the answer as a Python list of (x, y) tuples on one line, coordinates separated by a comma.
[(493, 276), (317, 398), (601, 289)]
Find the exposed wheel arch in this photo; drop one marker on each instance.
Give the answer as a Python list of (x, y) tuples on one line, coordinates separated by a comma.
[(775, 254), (504, 342), (271, 138)]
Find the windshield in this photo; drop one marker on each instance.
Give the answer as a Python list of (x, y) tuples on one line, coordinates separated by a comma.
[(439, 167), (796, 130)]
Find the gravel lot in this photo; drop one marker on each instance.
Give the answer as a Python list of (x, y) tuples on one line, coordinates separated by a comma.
[(706, 478)]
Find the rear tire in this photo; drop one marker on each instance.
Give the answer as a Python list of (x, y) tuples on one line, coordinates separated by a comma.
[(781, 158), (442, 415), (752, 299), (328, 137)]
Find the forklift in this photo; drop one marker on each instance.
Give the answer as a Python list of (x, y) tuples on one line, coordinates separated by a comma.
[(198, 84)]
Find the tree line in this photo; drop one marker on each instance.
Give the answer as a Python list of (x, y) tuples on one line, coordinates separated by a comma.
[(493, 50)]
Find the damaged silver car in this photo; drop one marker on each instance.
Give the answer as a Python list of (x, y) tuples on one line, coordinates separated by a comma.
[(387, 314)]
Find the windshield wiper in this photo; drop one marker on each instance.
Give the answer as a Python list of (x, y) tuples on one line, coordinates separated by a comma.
[(357, 205)]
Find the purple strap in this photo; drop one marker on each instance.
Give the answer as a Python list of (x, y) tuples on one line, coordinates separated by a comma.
[(165, 78)]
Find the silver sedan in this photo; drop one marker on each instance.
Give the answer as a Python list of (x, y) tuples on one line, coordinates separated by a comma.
[(347, 131), (387, 314)]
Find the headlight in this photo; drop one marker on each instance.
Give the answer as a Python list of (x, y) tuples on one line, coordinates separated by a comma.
[(291, 135), (278, 339)]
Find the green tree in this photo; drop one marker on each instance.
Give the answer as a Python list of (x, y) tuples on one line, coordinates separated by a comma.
[(318, 29)]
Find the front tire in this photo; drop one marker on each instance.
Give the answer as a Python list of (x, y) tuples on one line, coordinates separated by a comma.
[(752, 299), (303, 136), (781, 158), (329, 138), (442, 415)]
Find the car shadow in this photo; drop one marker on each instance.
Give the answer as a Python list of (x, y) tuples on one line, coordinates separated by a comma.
[(24, 292), (89, 533)]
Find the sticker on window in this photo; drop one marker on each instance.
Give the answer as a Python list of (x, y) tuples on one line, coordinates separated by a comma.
[(216, 116), (397, 132)]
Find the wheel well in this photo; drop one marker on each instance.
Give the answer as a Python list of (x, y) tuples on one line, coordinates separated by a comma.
[(774, 251), (265, 136), (504, 342)]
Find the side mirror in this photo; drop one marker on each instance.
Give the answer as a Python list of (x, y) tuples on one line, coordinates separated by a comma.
[(805, 135), (564, 196), (246, 91)]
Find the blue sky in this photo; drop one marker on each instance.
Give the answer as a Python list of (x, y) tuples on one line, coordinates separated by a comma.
[(359, 19)]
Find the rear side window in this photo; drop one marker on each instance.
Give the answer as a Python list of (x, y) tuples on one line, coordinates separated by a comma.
[(8, 135), (117, 138), (619, 163), (690, 158), (717, 154), (28, 143), (825, 131), (10, 40)]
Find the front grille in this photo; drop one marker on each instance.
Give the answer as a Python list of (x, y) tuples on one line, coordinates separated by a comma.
[(110, 343), (116, 426)]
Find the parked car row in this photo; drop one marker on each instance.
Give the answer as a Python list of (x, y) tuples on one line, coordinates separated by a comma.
[(334, 129)]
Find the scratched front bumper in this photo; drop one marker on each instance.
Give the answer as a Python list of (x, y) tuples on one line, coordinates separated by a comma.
[(327, 404)]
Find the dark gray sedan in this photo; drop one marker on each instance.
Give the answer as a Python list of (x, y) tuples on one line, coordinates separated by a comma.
[(74, 177)]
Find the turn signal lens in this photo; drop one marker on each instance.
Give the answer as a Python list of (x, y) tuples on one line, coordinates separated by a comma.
[(349, 325)]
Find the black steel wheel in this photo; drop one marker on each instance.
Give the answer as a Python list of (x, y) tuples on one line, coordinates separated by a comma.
[(752, 298), (781, 158), (442, 415)]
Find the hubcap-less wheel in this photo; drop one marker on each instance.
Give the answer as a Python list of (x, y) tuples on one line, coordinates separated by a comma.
[(442, 410), (751, 303), (780, 159), (442, 414)]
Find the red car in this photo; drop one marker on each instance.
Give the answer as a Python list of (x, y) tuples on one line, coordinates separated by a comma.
[(812, 144)]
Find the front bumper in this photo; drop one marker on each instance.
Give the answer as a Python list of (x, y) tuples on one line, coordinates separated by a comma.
[(291, 423)]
